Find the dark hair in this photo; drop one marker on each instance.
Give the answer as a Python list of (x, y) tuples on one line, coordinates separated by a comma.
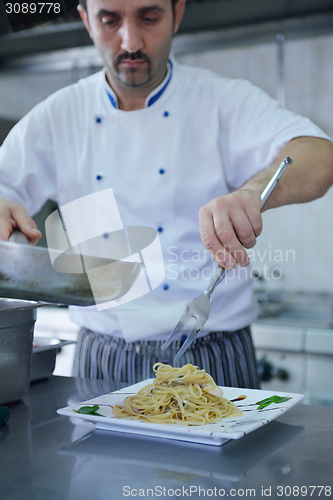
[(83, 3)]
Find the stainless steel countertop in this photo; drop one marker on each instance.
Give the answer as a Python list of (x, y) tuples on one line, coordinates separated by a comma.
[(296, 309), (46, 456)]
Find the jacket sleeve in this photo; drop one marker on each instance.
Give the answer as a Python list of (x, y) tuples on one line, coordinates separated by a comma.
[(27, 169), (255, 128)]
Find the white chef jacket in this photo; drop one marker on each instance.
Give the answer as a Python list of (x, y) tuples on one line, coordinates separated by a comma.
[(200, 136)]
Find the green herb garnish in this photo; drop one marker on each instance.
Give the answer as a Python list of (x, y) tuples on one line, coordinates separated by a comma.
[(273, 399), (89, 410)]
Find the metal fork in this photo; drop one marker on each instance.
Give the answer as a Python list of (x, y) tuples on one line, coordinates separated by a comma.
[(199, 308)]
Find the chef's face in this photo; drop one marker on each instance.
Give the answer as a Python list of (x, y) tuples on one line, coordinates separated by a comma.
[(133, 38)]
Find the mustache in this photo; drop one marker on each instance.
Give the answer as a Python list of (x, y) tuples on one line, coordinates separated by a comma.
[(132, 56)]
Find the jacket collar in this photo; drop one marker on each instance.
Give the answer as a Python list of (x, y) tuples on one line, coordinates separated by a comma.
[(151, 98)]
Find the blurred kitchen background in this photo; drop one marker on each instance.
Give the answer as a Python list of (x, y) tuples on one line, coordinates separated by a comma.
[(286, 48)]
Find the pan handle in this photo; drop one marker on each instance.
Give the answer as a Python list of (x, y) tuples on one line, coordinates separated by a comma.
[(18, 237)]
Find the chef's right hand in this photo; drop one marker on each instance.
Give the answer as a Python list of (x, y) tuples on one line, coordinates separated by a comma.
[(14, 216)]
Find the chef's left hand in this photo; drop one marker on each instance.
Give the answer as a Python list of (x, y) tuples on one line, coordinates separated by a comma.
[(228, 224), (232, 222)]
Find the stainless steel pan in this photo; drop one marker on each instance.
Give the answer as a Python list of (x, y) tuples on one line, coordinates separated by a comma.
[(26, 273)]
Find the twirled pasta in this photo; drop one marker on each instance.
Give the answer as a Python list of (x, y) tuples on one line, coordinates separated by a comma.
[(186, 396)]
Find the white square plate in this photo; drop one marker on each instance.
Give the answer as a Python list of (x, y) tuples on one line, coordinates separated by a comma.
[(214, 434)]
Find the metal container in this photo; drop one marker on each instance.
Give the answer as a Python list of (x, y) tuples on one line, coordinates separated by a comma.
[(26, 272), (17, 321), (44, 355)]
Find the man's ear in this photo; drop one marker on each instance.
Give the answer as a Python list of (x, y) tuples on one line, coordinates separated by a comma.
[(84, 17), (178, 15)]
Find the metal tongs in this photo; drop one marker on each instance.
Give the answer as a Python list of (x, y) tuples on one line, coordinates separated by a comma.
[(199, 308)]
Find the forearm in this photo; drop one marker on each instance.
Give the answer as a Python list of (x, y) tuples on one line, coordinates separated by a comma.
[(307, 178), (231, 222)]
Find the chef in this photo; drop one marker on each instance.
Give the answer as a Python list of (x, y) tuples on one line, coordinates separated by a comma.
[(185, 152)]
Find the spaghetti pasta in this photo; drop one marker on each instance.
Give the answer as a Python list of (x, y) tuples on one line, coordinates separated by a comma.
[(186, 396)]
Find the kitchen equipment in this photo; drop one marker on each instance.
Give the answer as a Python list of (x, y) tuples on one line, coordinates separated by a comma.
[(17, 320), (26, 273), (299, 341), (199, 308), (44, 355), (4, 415)]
